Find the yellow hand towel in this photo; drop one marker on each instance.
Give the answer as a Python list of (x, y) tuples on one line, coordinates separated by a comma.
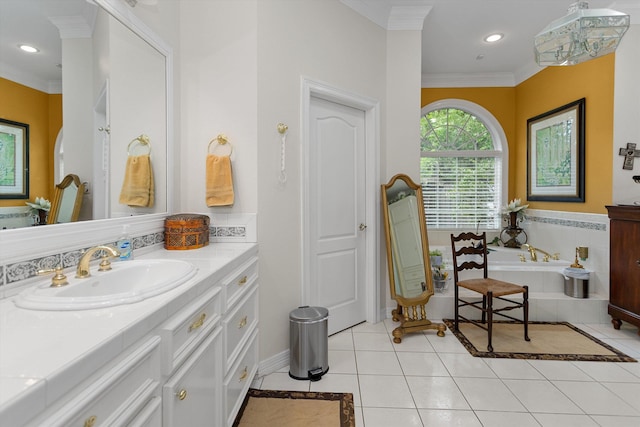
[(138, 186), (219, 181)]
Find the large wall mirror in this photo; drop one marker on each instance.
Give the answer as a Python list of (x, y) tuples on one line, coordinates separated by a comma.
[(114, 75), (410, 279)]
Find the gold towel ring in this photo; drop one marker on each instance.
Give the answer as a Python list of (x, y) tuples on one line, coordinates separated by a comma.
[(222, 140), (141, 140)]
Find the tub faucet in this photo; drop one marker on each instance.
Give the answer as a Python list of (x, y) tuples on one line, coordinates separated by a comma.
[(547, 256), (532, 252), (83, 265)]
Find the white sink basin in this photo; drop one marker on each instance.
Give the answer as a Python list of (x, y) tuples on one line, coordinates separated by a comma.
[(127, 282)]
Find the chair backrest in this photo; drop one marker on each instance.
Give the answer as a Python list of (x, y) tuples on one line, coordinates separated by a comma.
[(469, 253)]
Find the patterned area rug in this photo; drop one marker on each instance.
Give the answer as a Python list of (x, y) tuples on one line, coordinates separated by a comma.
[(549, 341), (270, 408)]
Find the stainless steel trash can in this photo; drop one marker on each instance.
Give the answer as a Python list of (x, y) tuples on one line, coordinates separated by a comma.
[(576, 288), (308, 339), (576, 282)]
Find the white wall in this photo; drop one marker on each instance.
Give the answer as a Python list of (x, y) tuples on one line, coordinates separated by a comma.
[(327, 42), (627, 113), (218, 62)]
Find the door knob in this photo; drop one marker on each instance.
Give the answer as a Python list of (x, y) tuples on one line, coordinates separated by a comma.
[(362, 227)]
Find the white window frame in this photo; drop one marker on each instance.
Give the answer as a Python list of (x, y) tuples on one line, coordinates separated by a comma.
[(498, 136)]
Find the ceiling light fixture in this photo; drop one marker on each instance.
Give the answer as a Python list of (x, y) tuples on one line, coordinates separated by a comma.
[(28, 48), (492, 38), (581, 35)]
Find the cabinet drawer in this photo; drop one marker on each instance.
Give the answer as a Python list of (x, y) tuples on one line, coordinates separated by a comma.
[(237, 325), (239, 378), (119, 394), (186, 329), (149, 416), (239, 281), (192, 396)]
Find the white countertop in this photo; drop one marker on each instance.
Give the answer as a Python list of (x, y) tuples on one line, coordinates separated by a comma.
[(43, 354)]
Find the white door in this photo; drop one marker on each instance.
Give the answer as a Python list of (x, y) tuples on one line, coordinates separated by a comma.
[(337, 229)]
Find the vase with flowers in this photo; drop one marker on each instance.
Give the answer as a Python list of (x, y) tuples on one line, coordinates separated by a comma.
[(440, 277), (40, 209), (513, 236)]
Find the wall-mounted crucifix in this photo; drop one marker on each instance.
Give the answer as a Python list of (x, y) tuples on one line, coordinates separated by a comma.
[(629, 153)]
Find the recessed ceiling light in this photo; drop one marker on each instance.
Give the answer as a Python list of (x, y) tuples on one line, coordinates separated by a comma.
[(28, 48), (492, 38)]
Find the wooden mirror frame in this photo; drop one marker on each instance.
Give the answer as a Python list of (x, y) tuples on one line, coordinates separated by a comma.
[(58, 196), (410, 312)]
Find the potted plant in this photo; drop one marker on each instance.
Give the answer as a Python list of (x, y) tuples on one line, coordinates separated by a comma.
[(440, 277), (40, 209)]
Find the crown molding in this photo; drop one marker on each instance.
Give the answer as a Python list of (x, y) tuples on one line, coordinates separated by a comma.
[(72, 27), (396, 17), (468, 80), (407, 17)]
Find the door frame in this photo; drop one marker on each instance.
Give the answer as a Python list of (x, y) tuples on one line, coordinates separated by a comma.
[(371, 107)]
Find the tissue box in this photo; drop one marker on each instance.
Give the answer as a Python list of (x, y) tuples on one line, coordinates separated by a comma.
[(186, 231)]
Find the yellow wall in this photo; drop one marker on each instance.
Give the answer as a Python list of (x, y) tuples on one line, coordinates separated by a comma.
[(43, 113), (549, 89)]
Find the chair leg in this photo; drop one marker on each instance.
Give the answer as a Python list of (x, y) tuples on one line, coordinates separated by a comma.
[(525, 307), (489, 311), (484, 309), (456, 308)]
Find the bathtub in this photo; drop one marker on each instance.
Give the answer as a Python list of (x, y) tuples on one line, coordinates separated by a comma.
[(547, 300), (541, 277)]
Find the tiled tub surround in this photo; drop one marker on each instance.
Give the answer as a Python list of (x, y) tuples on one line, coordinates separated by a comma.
[(45, 354), (552, 232), (18, 270)]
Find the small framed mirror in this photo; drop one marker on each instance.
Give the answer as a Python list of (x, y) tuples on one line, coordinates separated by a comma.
[(410, 278), (67, 200)]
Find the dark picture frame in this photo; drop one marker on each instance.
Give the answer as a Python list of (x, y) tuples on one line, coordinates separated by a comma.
[(555, 154), (14, 160)]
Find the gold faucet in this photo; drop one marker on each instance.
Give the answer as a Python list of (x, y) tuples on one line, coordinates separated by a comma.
[(534, 256), (83, 265)]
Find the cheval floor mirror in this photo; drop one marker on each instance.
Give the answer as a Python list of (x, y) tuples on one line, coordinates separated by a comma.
[(410, 278)]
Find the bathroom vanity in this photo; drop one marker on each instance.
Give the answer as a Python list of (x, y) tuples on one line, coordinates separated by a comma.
[(182, 358), (624, 291)]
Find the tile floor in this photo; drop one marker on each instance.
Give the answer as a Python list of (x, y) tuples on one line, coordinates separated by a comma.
[(432, 381)]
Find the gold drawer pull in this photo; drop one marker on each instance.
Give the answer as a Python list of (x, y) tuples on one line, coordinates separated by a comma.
[(182, 394), (243, 375), (242, 281), (243, 322), (90, 422), (638, 262), (198, 323)]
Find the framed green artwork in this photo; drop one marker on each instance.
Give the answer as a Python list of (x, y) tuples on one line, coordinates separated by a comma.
[(14, 160), (555, 154)]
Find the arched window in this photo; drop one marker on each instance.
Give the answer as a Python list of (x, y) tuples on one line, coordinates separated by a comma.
[(463, 160)]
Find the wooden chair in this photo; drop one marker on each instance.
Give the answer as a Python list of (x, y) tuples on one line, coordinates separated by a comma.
[(469, 253)]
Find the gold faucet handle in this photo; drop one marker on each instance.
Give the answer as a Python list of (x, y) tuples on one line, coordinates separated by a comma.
[(556, 256), (58, 279), (105, 264)]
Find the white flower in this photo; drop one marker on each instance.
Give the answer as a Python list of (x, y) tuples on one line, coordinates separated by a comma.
[(514, 206), (40, 204)]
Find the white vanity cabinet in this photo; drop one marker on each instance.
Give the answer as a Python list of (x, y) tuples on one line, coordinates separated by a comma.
[(117, 396), (240, 334), (192, 358), (192, 396), (182, 359)]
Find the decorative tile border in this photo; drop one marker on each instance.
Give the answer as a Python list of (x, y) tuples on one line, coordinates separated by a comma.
[(568, 222), (228, 231), (27, 269), (587, 221)]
